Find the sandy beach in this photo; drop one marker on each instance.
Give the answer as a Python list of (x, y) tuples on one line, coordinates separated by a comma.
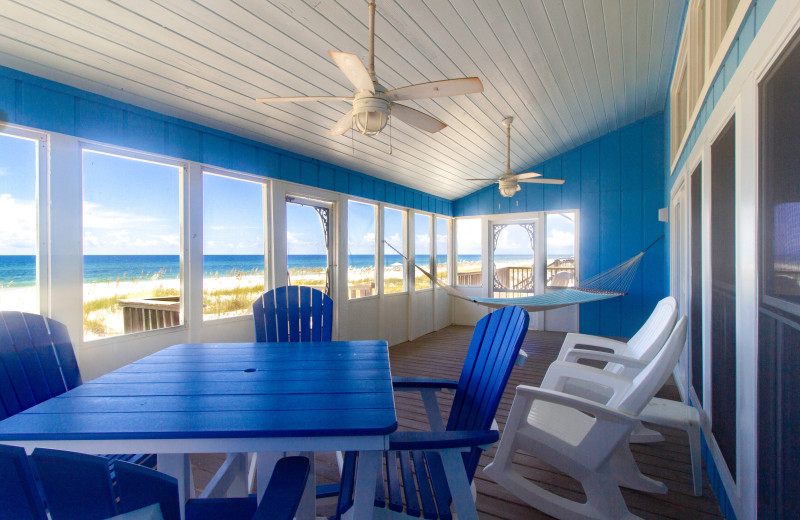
[(223, 295)]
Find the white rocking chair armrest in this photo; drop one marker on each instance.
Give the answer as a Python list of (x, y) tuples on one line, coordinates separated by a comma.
[(600, 411), (561, 372), (574, 339), (577, 354)]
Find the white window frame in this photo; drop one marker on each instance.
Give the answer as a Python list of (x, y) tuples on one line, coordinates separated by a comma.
[(184, 219), (199, 237), (41, 200)]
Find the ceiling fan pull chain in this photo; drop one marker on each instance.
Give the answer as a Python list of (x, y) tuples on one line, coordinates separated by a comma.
[(390, 133)]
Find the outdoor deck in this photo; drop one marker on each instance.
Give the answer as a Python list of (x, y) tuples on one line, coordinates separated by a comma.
[(440, 354)]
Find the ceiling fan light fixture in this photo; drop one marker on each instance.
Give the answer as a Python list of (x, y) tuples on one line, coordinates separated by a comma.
[(371, 123), (371, 113), (508, 189)]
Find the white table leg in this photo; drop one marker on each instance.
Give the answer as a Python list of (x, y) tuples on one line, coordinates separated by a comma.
[(367, 470), (265, 465), (308, 503), (459, 485), (179, 466)]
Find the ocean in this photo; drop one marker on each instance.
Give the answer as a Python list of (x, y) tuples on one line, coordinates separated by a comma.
[(20, 270)]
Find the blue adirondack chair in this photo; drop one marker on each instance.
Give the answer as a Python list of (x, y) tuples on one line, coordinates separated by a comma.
[(19, 496), (37, 362), (440, 464), (87, 487), (294, 313)]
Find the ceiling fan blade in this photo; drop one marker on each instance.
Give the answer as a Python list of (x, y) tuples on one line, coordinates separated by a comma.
[(493, 180), (299, 99), (342, 125), (434, 89), (528, 175), (543, 181), (355, 71), (416, 118)]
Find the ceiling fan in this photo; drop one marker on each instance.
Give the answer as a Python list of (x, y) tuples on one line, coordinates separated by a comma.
[(373, 104), (509, 182)]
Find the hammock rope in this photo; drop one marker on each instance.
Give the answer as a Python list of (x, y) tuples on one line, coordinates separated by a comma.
[(610, 283)]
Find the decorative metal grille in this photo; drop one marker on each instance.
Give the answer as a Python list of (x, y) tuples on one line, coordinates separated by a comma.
[(514, 279), (324, 217)]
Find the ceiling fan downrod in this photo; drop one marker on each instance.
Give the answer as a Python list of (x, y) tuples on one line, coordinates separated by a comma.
[(371, 69)]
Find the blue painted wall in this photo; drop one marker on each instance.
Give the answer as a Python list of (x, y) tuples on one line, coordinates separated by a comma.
[(38, 103), (617, 183)]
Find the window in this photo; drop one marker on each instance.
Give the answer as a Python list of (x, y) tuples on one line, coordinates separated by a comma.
[(513, 257), (723, 293), (307, 243), (560, 250), (394, 266), (441, 249), (233, 245), (131, 245), (422, 250), (19, 173), (779, 286), (468, 248), (696, 277), (699, 58), (680, 103), (360, 249)]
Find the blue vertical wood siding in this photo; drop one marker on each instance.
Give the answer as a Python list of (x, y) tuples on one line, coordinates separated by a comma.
[(52, 107), (617, 183)]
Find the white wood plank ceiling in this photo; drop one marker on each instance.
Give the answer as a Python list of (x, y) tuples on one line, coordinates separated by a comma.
[(569, 71)]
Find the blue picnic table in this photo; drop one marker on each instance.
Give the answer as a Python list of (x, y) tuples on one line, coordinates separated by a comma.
[(263, 398)]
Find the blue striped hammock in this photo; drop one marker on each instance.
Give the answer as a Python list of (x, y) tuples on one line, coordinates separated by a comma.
[(608, 284)]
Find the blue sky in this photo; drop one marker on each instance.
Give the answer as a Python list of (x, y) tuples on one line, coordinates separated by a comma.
[(17, 196), (233, 216), (130, 207), (304, 234), (360, 228)]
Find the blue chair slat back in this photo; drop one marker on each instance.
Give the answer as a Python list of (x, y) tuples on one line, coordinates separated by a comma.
[(293, 314), (19, 494), (285, 488), (37, 360), (487, 367), (77, 486), (139, 487), (14, 332), (65, 353)]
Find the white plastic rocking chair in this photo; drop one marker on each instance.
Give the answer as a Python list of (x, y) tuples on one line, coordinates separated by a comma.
[(582, 438), (627, 359)]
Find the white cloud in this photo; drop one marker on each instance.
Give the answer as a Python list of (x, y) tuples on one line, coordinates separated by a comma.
[(292, 238), (18, 229), (560, 239), (171, 240), (97, 217)]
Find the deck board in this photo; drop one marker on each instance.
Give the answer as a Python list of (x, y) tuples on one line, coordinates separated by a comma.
[(441, 354)]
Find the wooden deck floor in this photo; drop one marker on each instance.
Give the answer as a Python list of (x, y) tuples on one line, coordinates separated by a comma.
[(441, 354)]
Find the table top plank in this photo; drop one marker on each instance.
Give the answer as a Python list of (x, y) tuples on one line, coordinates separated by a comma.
[(225, 424), (196, 403), (293, 374)]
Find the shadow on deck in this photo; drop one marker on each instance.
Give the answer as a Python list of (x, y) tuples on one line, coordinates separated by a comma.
[(441, 354)]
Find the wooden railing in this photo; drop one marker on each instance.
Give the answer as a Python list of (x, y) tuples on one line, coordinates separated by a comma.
[(514, 278), (359, 291), (470, 278), (142, 314)]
